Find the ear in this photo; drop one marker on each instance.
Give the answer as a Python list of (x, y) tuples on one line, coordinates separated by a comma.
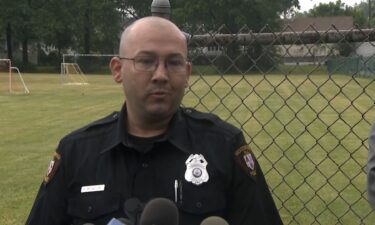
[(189, 68), (115, 66)]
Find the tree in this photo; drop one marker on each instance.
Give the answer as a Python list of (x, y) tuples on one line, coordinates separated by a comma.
[(97, 25), (235, 14), (289, 7), (213, 13), (338, 8), (55, 24)]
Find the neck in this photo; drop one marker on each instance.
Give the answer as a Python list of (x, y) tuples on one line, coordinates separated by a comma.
[(146, 127)]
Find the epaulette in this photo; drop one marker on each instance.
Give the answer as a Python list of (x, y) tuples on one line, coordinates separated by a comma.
[(211, 119), (193, 113), (112, 118)]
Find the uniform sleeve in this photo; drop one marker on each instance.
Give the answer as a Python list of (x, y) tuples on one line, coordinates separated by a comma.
[(371, 167), (50, 204), (250, 201)]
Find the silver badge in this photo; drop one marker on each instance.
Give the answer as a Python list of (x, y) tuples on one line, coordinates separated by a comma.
[(196, 171)]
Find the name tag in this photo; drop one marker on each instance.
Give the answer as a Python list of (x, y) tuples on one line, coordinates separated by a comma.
[(92, 188)]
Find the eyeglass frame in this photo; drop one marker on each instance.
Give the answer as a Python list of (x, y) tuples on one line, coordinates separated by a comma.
[(154, 66)]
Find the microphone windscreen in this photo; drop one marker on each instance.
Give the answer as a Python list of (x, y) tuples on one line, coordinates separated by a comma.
[(159, 211), (214, 220), (114, 221)]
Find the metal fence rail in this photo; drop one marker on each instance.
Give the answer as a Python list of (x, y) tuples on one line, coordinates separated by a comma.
[(305, 111)]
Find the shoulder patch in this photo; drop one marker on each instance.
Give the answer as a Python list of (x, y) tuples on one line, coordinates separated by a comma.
[(246, 160), (52, 168)]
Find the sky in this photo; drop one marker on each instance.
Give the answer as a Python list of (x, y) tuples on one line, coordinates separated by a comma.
[(308, 4)]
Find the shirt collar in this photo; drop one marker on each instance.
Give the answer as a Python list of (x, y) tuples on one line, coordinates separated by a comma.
[(177, 133)]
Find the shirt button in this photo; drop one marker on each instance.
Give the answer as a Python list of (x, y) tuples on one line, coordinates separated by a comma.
[(144, 165), (188, 110), (198, 204), (115, 116), (89, 209)]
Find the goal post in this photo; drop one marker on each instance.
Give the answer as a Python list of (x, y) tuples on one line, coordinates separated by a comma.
[(11, 79), (71, 74), (90, 64)]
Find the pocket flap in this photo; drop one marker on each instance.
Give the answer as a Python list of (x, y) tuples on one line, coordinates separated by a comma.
[(92, 206), (202, 202)]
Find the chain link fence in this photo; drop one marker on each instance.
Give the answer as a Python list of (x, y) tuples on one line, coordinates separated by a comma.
[(305, 102)]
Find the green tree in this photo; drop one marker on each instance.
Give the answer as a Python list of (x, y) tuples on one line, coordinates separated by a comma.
[(213, 13), (235, 14), (97, 25), (17, 19), (55, 24), (339, 8)]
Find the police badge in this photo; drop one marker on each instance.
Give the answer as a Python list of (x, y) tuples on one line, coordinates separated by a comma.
[(196, 171)]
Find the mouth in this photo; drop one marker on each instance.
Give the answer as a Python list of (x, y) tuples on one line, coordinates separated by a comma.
[(159, 93)]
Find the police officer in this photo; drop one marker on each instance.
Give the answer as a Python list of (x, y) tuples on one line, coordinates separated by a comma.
[(371, 168), (154, 148)]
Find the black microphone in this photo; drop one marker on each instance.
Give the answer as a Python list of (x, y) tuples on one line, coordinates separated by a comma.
[(214, 220), (159, 211)]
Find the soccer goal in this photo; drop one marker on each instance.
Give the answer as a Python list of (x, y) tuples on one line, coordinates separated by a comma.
[(71, 74), (11, 79), (90, 64)]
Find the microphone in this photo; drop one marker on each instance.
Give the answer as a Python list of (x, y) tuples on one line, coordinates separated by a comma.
[(214, 220), (119, 221), (114, 221), (160, 211)]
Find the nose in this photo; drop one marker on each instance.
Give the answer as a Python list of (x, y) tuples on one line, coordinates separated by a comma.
[(161, 73)]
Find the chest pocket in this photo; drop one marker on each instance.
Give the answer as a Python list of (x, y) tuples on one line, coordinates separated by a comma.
[(92, 206), (202, 201)]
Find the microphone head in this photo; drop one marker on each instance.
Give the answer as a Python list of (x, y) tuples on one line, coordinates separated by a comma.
[(115, 222), (160, 211), (214, 220)]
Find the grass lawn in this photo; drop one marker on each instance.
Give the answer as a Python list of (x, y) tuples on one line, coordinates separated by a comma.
[(309, 133)]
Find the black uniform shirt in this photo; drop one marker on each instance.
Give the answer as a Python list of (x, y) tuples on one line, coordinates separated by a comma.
[(98, 167)]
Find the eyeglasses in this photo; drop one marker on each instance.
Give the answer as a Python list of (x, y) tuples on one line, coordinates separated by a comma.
[(175, 64)]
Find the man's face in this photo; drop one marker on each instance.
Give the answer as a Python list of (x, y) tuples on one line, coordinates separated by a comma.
[(154, 82)]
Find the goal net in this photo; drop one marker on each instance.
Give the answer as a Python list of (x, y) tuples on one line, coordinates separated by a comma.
[(90, 64), (72, 74), (11, 80)]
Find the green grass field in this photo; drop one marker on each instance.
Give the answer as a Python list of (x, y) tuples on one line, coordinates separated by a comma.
[(309, 133)]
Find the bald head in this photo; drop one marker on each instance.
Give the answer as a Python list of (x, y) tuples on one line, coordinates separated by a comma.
[(147, 26)]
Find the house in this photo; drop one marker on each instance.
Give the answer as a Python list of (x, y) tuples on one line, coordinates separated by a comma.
[(312, 53)]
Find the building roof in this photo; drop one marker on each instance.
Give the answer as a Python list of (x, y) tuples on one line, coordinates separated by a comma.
[(319, 23)]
